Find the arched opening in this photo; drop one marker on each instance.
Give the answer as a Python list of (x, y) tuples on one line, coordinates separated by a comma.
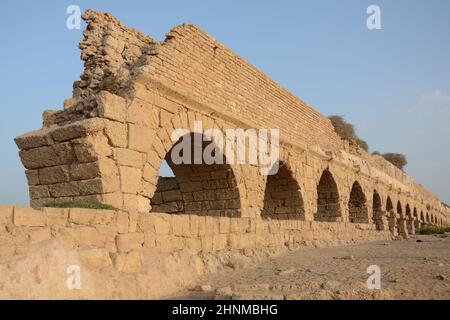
[(377, 211), (416, 221), (282, 197), (196, 187), (422, 218), (328, 208), (409, 220), (357, 207), (401, 228), (428, 221), (392, 218)]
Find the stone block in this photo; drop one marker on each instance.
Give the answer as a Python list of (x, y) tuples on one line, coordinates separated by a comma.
[(29, 217), (130, 179), (117, 133), (77, 129), (140, 137), (6, 214), (92, 148), (128, 157), (33, 139), (47, 156), (39, 234), (56, 217), (129, 241), (67, 189), (130, 262), (52, 175), (111, 106), (96, 258)]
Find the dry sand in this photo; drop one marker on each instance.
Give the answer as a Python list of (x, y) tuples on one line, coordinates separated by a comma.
[(417, 268)]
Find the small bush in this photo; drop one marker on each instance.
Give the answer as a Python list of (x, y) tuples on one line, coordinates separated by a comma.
[(80, 204), (434, 230), (397, 159), (346, 131)]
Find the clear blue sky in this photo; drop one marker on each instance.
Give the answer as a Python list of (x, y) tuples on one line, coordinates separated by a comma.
[(393, 84)]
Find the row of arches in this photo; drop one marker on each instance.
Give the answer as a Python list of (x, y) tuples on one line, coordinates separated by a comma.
[(213, 189)]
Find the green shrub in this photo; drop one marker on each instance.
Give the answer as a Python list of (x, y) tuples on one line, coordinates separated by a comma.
[(80, 204), (434, 230)]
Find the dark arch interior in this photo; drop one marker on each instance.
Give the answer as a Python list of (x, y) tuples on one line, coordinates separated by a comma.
[(200, 189), (377, 210), (358, 212), (400, 219), (328, 208), (282, 197)]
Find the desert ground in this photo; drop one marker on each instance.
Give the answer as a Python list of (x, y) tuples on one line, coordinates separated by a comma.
[(417, 268)]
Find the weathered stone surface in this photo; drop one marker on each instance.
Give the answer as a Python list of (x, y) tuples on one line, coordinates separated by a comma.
[(96, 258), (29, 217), (128, 262), (47, 156), (111, 106), (130, 241), (77, 129), (6, 214)]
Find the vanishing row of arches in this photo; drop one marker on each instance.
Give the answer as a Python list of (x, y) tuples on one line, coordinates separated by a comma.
[(211, 189)]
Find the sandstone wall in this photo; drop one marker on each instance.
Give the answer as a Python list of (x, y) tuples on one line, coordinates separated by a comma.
[(122, 255)]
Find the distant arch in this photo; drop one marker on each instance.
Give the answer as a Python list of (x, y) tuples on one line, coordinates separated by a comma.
[(282, 196), (377, 211), (357, 206), (328, 206)]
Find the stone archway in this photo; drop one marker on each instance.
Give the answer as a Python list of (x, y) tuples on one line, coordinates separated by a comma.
[(282, 196), (328, 206), (401, 222), (377, 215), (392, 217), (416, 220), (357, 205), (197, 187), (409, 220)]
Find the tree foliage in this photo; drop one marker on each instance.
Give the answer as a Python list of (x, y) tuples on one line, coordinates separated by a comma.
[(397, 159), (347, 131)]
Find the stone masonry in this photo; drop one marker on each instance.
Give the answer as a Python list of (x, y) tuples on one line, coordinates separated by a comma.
[(109, 141)]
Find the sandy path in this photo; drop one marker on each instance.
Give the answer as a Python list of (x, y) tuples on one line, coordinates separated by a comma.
[(409, 270)]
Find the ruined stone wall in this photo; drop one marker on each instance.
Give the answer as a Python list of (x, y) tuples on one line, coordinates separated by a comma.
[(108, 143)]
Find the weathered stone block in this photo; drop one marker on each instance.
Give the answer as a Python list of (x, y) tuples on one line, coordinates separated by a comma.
[(130, 262), (140, 137), (67, 189), (130, 179), (29, 217), (48, 156), (117, 134), (38, 192), (127, 157), (52, 175), (92, 148), (6, 214), (39, 234), (96, 258), (56, 217), (129, 241), (77, 129), (33, 139), (111, 106), (32, 177)]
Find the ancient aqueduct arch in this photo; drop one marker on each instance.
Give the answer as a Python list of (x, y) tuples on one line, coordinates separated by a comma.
[(108, 143)]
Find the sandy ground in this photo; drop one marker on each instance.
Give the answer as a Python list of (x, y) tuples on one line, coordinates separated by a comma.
[(417, 268)]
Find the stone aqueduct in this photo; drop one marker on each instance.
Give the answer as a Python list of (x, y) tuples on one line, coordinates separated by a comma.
[(108, 143)]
